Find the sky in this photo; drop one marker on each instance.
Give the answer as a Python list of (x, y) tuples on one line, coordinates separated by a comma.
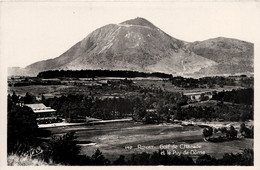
[(32, 32)]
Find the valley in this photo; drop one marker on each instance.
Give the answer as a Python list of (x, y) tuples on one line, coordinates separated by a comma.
[(130, 94)]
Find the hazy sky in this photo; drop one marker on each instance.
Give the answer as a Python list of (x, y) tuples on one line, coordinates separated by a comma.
[(32, 32)]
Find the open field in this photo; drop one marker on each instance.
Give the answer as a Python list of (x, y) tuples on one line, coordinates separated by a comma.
[(210, 103), (113, 138), (58, 90), (168, 86), (39, 89)]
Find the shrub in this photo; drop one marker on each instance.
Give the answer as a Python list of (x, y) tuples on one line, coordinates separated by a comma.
[(19, 160), (246, 132), (206, 160), (244, 158), (99, 159), (120, 160), (207, 132), (62, 149)]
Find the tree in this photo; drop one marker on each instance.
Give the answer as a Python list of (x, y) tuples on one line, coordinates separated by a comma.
[(246, 132), (63, 149), (99, 159), (206, 160), (29, 98), (223, 130), (244, 158), (21, 124), (15, 98), (231, 133), (207, 132), (120, 160), (139, 112)]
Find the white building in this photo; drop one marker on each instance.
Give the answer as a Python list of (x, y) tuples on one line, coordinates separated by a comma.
[(44, 114)]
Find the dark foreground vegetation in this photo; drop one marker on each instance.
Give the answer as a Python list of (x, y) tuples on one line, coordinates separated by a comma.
[(64, 151), (241, 96), (21, 124), (210, 82), (224, 112), (23, 142), (23, 133)]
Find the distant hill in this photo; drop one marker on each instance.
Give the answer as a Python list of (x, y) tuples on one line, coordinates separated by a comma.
[(138, 45), (18, 71), (232, 55)]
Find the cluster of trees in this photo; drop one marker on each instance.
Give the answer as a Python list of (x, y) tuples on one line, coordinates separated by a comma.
[(246, 158), (23, 132), (166, 106), (21, 124), (99, 73), (246, 132), (226, 112), (23, 138), (210, 82), (226, 134), (80, 106), (240, 96), (16, 99), (75, 106), (223, 134), (156, 158), (61, 149)]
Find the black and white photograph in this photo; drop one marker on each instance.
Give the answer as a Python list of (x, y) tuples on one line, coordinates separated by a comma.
[(128, 83)]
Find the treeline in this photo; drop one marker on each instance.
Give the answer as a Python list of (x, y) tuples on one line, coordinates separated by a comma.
[(79, 106), (239, 108), (227, 112), (148, 107), (240, 96), (210, 82), (75, 107), (99, 73), (225, 134)]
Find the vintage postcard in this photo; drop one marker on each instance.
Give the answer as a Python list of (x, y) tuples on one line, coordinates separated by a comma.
[(128, 83)]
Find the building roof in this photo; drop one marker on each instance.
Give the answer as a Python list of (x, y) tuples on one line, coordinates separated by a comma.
[(151, 110), (39, 108)]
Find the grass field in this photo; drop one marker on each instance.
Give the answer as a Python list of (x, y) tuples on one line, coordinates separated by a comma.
[(39, 89), (113, 139), (58, 90)]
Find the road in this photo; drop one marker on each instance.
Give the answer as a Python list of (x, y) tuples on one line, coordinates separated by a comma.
[(84, 123)]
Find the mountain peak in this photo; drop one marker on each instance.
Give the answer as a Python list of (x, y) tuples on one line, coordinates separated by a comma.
[(138, 45), (139, 22)]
